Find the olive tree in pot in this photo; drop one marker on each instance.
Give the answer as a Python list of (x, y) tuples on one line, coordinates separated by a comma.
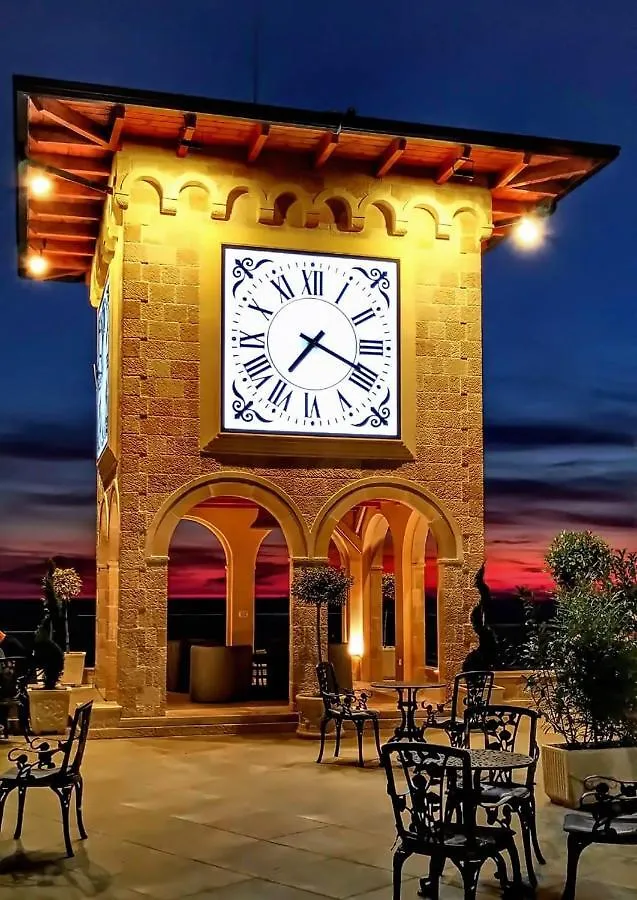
[(317, 587), (584, 666)]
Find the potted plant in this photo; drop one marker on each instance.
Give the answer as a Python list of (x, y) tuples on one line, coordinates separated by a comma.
[(317, 587), (584, 666), (61, 586), (388, 593)]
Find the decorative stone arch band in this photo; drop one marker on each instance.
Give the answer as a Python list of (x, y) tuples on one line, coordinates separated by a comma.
[(225, 484)]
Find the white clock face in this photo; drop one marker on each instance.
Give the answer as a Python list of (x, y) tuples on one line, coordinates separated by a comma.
[(310, 344), (101, 369)]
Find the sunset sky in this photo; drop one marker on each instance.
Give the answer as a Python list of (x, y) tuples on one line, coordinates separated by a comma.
[(560, 370)]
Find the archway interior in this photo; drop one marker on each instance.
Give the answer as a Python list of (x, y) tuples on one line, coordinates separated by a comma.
[(387, 635), (228, 584)]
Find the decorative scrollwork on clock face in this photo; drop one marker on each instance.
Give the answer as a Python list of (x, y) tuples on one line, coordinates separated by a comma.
[(310, 344), (101, 369)]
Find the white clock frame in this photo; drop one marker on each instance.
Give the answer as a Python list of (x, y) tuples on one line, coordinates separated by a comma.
[(303, 374)]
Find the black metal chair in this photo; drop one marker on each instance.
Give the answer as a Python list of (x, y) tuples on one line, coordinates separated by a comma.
[(62, 778), (14, 675), (607, 815), (344, 706), (503, 729), (471, 690), (420, 779)]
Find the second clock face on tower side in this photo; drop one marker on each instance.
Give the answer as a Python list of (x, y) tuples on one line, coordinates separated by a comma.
[(310, 344)]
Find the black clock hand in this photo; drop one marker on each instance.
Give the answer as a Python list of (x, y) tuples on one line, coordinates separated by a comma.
[(311, 344), (316, 343)]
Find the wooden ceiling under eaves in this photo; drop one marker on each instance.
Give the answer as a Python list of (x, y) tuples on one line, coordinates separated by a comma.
[(72, 131)]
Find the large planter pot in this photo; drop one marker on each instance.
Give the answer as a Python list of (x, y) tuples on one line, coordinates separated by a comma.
[(311, 711), (339, 656), (73, 672), (565, 770), (389, 662), (220, 674), (49, 710)]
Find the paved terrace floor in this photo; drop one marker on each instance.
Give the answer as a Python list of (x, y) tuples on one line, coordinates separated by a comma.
[(246, 818)]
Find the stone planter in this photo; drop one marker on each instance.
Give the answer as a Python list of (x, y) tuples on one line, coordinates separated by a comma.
[(220, 674), (310, 709), (49, 710), (73, 672), (338, 655), (564, 770)]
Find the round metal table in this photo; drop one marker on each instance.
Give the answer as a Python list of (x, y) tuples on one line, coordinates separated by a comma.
[(407, 703)]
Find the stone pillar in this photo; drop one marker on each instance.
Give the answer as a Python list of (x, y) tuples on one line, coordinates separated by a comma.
[(398, 518), (454, 630), (241, 542), (303, 641), (417, 591), (373, 619)]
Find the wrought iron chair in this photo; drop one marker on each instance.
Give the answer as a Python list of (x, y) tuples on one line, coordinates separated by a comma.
[(35, 767), (420, 780), (471, 690), (344, 706), (503, 729), (607, 815), (14, 676)]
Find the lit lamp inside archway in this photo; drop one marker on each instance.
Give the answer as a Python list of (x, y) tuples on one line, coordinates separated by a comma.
[(355, 649)]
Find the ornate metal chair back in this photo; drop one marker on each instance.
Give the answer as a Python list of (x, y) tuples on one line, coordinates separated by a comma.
[(75, 744), (13, 673), (503, 729), (477, 685), (607, 799), (419, 779), (328, 686)]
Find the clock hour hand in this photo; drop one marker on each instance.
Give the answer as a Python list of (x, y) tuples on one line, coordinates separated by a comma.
[(311, 344), (316, 343)]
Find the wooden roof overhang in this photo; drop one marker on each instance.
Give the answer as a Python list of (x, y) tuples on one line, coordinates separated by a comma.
[(72, 131)]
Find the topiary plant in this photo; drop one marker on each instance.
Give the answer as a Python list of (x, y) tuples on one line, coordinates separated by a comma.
[(321, 586), (578, 558)]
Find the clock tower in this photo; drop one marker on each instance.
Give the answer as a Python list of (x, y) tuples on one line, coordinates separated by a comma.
[(288, 310)]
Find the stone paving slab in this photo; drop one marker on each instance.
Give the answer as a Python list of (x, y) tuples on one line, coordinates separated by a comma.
[(249, 818)]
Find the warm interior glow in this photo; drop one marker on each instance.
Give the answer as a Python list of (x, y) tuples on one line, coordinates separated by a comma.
[(40, 185), (528, 232), (355, 645), (37, 265)]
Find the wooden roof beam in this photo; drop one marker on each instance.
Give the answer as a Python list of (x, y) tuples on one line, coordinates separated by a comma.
[(454, 161), (508, 208), (563, 168), (186, 134), (257, 142), (83, 188), (390, 156), (63, 248), (63, 115), (43, 229), (504, 177), (324, 149), (78, 165), (54, 209), (117, 125)]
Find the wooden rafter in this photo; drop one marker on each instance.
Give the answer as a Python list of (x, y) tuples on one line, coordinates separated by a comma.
[(563, 168), (53, 209), (63, 115), (186, 134), (44, 135), (511, 208), (508, 174), (78, 165), (545, 188), (117, 124), (326, 146), (257, 141), (390, 156), (451, 165), (42, 229), (82, 188), (67, 248)]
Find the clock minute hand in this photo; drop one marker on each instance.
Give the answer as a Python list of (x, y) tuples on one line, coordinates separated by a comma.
[(316, 343), (311, 344)]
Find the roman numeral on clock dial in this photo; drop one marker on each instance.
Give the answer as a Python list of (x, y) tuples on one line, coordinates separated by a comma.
[(278, 395), (282, 285), (311, 407), (363, 316), (265, 312), (313, 282), (363, 377), (259, 369), (256, 341), (370, 347)]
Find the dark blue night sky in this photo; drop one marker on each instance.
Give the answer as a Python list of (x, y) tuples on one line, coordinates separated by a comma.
[(559, 323)]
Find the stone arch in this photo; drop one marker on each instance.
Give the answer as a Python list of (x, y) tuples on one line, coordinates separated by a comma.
[(343, 206), (224, 208), (198, 520), (428, 204), (154, 179), (416, 497), (226, 484), (280, 199), (394, 222)]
